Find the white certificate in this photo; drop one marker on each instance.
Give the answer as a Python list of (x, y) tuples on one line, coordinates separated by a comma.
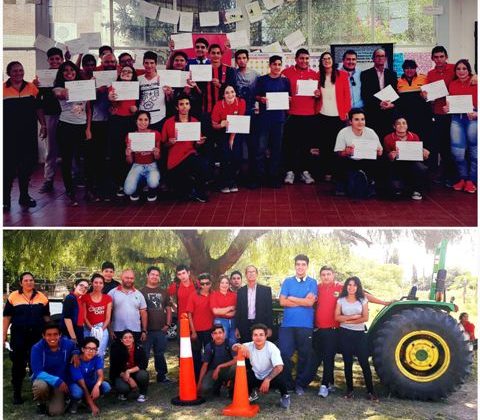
[(189, 131), (271, 4), (77, 46), (138, 56), (209, 18), (435, 90), (182, 41), (238, 39), (81, 90), (460, 104), (46, 77), (254, 12), (147, 9), (105, 77), (294, 40), (186, 22), (126, 90), (233, 15), (277, 100), (306, 87), (142, 142), (172, 78), (238, 124), (169, 16), (43, 43), (364, 149), (201, 72), (185, 75), (94, 39), (387, 94), (410, 150), (273, 48)]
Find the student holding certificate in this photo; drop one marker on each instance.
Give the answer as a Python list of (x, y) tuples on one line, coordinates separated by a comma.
[(404, 174), (463, 129), (144, 165), (231, 143), (186, 169), (73, 126), (121, 122)]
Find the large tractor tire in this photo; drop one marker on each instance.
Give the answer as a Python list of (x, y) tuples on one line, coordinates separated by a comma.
[(421, 353)]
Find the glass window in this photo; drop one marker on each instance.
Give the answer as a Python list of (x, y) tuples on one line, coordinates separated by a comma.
[(18, 23)]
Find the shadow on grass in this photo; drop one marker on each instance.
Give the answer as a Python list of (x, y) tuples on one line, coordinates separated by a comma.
[(462, 405)]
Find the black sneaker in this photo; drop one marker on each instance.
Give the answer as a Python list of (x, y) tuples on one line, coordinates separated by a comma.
[(17, 398), (151, 195), (73, 408), (198, 196), (73, 199), (27, 201), (42, 409), (120, 193), (47, 187), (134, 197), (6, 204)]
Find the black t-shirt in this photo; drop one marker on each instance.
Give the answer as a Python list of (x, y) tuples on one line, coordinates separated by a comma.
[(109, 286), (217, 355)]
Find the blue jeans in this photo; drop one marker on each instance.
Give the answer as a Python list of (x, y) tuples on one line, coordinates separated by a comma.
[(289, 340), (138, 171), (77, 393), (463, 133), (158, 341), (229, 327), (270, 136), (103, 342)]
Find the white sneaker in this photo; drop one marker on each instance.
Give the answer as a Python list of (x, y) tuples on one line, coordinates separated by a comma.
[(225, 190), (416, 195), (307, 178), (323, 391), (289, 178), (234, 189), (142, 398)]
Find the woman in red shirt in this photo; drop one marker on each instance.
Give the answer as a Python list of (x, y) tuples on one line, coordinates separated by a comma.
[(201, 319), (223, 303), (463, 129), (333, 106), (186, 168), (98, 313), (231, 144), (121, 122)]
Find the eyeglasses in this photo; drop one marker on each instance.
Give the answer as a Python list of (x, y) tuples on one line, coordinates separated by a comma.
[(83, 286), (207, 283), (90, 348), (127, 71), (352, 81), (380, 56)]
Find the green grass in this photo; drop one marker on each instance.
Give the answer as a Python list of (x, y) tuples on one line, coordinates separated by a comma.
[(462, 405)]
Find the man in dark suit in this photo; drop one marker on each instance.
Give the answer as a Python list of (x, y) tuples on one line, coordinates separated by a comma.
[(379, 113), (254, 305)]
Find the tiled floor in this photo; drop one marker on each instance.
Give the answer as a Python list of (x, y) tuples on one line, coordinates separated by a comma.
[(296, 205)]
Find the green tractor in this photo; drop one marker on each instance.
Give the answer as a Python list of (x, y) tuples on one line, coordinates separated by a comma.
[(418, 349)]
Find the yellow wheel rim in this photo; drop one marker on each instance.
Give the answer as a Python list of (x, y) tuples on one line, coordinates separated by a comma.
[(422, 356)]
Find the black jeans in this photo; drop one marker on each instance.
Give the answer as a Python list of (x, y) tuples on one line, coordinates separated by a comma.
[(276, 383), (299, 137), (269, 136), (70, 138), (95, 158), (231, 160), (345, 165), (328, 128), (198, 345), (188, 174), (355, 343), (439, 144), (118, 128), (412, 175)]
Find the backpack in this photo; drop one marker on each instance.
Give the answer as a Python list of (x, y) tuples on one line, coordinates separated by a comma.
[(358, 185)]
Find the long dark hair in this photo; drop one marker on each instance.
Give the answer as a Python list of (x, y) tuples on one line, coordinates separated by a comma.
[(467, 65), (134, 75), (60, 80), (177, 114), (359, 294), (322, 70)]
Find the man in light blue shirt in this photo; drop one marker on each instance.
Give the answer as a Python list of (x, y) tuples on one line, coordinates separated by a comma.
[(297, 296), (349, 60)]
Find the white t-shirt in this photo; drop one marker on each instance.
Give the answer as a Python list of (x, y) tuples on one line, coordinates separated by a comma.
[(346, 137), (152, 98), (329, 99), (263, 361)]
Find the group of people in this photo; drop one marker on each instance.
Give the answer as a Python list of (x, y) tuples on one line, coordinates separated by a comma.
[(103, 314), (314, 138)]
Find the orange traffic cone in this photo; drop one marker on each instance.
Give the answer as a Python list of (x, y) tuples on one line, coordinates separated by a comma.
[(240, 406), (187, 385)]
